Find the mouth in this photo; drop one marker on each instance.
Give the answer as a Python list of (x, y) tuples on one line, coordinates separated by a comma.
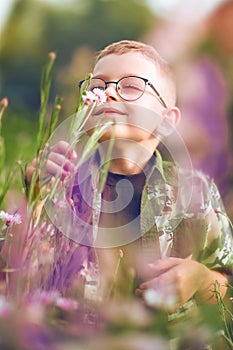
[(109, 111)]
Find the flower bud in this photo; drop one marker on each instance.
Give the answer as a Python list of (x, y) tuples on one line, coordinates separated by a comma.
[(121, 253), (4, 103), (52, 56)]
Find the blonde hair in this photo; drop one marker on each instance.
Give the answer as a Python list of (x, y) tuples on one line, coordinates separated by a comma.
[(150, 53)]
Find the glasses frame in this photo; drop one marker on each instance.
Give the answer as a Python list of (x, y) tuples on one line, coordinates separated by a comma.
[(146, 81)]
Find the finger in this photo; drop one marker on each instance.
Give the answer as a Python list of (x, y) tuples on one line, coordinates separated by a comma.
[(29, 172), (138, 292), (61, 161), (54, 169), (166, 278), (63, 147), (159, 267)]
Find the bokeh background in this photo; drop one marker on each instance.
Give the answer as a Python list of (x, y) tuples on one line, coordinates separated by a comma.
[(195, 37)]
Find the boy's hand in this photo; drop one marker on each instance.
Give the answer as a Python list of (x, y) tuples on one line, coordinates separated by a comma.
[(181, 279), (59, 161)]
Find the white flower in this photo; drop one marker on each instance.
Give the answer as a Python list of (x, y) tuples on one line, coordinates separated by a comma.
[(101, 95), (66, 304), (159, 299), (10, 219), (96, 95)]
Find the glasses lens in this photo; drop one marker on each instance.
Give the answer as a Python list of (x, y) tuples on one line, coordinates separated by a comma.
[(96, 84), (131, 88)]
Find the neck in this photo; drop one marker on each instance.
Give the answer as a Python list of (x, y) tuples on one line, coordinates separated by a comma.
[(127, 157)]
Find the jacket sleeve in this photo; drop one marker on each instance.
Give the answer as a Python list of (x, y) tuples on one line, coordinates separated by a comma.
[(217, 252)]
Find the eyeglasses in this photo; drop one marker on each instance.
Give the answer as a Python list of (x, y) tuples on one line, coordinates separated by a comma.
[(129, 88)]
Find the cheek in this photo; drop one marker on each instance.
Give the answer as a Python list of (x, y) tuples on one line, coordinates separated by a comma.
[(139, 134), (150, 103), (144, 121)]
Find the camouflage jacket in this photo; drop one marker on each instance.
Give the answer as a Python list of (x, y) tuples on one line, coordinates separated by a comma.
[(181, 214)]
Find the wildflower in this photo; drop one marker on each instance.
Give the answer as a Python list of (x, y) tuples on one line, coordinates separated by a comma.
[(47, 228), (96, 95), (66, 304), (101, 96), (121, 253), (3, 106), (10, 219), (4, 103), (44, 297), (52, 298), (160, 299), (52, 56)]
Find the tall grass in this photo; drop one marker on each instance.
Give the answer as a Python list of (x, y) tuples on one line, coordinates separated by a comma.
[(42, 299)]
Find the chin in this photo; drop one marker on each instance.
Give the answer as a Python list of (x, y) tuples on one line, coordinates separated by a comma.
[(123, 132)]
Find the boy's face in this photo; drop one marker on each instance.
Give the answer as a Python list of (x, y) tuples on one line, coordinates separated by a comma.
[(114, 67)]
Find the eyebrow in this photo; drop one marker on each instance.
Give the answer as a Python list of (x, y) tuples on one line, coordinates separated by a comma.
[(104, 77)]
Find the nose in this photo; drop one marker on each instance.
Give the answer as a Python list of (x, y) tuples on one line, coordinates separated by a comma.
[(111, 92)]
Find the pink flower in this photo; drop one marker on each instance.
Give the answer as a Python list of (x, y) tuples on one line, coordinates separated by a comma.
[(101, 96), (10, 219), (52, 55), (121, 253), (89, 97), (96, 95), (53, 297), (66, 304), (4, 102), (44, 297)]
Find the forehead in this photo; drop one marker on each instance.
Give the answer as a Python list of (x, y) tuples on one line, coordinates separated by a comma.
[(115, 66)]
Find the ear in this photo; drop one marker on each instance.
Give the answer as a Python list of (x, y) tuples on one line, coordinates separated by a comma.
[(172, 115), (170, 119)]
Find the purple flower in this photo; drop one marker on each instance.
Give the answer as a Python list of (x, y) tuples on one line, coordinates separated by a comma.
[(66, 304), (10, 219), (44, 297), (53, 297)]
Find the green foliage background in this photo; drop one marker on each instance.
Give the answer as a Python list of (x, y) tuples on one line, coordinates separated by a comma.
[(74, 33)]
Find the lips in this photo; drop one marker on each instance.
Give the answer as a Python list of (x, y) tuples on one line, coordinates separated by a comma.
[(108, 110)]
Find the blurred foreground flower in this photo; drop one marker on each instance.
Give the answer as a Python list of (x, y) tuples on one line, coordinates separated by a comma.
[(3, 106), (160, 300), (53, 297), (5, 306), (52, 56), (10, 219)]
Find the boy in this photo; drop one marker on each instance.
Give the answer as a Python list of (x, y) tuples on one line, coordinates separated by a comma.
[(186, 258)]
